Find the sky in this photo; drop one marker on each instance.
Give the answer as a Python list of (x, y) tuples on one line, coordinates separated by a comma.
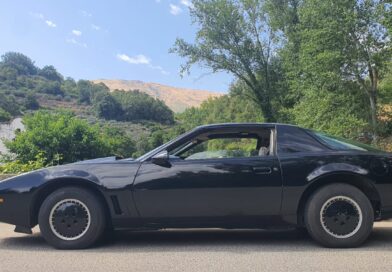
[(96, 39)]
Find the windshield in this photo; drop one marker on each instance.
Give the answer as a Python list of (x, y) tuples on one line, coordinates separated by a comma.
[(338, 143)]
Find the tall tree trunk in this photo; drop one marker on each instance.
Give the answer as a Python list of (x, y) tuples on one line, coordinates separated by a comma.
[(264, 101), (373, 114), (267, 109), (373, 74)]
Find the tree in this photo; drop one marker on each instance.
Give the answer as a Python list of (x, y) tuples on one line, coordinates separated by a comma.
[(228, 108), (69, 87), (88, 90), (21, 63), (50, 87), (9, 104), (345, 41), (4, 116), (107, 107), (235, 37), (388, 17), (335, 113), (50, 73), (120, 144), (31, 102), (285, 18), (138, 106)]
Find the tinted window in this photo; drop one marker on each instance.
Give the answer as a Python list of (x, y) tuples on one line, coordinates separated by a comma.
[(293, 139), (341, 144)]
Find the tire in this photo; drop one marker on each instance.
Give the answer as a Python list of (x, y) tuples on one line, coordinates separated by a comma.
[(72, 218), (339, 216)]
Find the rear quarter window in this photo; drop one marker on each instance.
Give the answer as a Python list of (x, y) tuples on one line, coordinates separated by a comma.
[(293, 140)]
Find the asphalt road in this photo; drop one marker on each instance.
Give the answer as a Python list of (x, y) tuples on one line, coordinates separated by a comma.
[(197, 250)]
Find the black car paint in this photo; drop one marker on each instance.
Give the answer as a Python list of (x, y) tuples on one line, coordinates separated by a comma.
[(206, 193)]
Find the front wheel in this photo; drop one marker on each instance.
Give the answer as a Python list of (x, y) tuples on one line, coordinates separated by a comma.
[(71, 218), (339, 215)]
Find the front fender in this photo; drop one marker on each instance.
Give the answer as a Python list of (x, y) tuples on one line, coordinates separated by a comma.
[(20, 193)]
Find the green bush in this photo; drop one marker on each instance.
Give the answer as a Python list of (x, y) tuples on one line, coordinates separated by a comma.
[(18, 167), (4, 116), (64, 138)]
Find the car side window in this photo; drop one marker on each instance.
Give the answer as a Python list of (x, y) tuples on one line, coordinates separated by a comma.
[(293, 140), (222, 148)]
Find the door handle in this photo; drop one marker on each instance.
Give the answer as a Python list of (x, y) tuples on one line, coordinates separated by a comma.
[(262, 170)]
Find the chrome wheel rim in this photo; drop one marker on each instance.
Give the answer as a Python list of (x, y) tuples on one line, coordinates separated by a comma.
[(69, 219), (341, 217)]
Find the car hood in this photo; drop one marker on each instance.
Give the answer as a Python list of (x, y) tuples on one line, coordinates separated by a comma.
[(100, 160), (69, 166)]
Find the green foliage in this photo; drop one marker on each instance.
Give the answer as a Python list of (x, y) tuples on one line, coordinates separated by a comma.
[(334, 115), (386, 85), (18, 62), (8, 105), (235, 107), (69, 88), (18, 167), (62, 136), (88, 91), (234, 36), (50, 73), (31, 102), (120, 144), (4, 115), (21, 82), (49, 87), (107, 107), (344, 42), (140, 106)]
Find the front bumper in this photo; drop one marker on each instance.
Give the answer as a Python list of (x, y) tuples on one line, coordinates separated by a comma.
[(15, 209)]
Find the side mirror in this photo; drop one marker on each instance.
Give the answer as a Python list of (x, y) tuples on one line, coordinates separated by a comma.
[(161, 158)]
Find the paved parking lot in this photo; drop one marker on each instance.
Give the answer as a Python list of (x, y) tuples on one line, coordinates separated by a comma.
[(201, 250)]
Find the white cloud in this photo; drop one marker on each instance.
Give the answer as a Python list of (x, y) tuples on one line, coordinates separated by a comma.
[(158, 1), (95, 27), (159, 68), (77, 32), (175, 10), (141, 59), (138, 59), (86, 13), (41, 17), (75, 42), (50, 23), (37, 15), (187, 3)]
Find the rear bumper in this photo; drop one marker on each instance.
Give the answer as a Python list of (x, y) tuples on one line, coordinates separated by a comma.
[(386, 212)]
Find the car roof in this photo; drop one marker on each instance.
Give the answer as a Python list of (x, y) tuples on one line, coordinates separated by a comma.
[(241, 125)]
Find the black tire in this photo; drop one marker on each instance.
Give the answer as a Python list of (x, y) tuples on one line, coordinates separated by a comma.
[(339, 216), (72, 218)]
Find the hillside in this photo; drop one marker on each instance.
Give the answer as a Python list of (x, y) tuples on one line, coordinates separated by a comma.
[(178, 99)]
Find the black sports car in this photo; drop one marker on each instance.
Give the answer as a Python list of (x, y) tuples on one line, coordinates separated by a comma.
[(221, 176)]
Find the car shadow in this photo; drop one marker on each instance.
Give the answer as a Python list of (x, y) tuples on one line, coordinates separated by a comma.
[(238, 241)]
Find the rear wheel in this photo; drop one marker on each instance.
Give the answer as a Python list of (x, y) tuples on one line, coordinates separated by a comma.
[(71, 218), (339, 215)]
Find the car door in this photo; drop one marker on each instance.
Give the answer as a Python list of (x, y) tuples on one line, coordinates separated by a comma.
[(209, 189)]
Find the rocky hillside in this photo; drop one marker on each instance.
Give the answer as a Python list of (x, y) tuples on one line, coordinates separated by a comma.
[(178, 99)]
